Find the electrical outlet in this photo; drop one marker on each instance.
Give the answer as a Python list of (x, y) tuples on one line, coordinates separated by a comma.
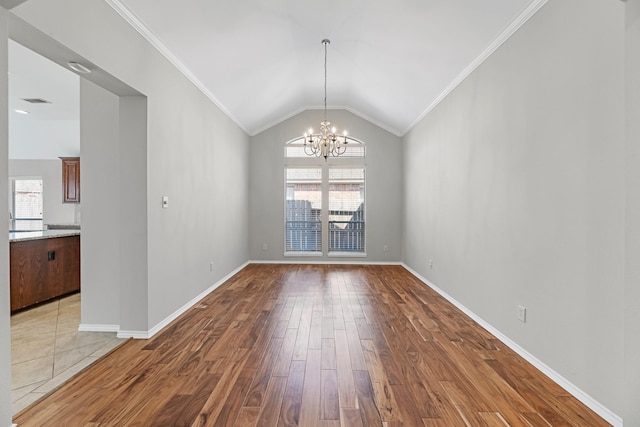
[(264, 247), (431, 264), (211, 266), (522, 313), (385, 248)]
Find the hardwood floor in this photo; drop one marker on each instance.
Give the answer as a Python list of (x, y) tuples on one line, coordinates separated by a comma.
[(286, 345)]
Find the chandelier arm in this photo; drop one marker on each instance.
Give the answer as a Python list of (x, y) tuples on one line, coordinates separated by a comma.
[(306, 147)]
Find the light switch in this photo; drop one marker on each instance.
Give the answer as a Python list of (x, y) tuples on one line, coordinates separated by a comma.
[(165, 202)]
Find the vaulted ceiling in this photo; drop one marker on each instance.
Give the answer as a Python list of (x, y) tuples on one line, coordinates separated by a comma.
[(261, 61), (389, 62)]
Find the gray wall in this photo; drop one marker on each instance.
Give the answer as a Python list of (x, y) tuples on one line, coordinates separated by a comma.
[(5, 332), (383, 186), (192, 152), (195, 155), (133, 254), (54, 211), (514, 187), (101, 227), (632, 279)]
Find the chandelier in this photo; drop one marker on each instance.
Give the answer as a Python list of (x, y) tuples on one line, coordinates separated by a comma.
[(326, 143)]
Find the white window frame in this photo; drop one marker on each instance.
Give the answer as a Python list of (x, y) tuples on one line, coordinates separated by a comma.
[(12, 200), (325, 165), (286, 189)]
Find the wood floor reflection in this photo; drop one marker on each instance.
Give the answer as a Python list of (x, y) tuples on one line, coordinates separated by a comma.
[(291, 345)]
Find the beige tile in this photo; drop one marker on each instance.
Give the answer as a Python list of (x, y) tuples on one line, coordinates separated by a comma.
[(71, 311), (34, 347), (21, 392), (108, 346), (41, 324), (31, 371), (42, 311), (63, 377), (47, 349), (71, 300), (69, 341), (65, 359)]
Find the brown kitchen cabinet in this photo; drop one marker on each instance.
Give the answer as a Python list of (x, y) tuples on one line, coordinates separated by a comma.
[(43, 269), (70, 179)]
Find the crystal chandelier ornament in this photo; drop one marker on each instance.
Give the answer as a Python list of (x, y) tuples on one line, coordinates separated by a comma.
[(325, 143)]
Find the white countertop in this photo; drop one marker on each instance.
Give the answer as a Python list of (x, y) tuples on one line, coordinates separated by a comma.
[(21, 236)]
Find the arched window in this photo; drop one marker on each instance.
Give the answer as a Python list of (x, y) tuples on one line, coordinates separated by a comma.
[(325, 202)]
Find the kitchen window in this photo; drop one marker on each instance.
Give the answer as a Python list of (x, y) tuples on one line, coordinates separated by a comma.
[(26, 204)]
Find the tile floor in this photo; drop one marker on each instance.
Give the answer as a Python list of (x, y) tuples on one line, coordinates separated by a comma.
[(47, 349)]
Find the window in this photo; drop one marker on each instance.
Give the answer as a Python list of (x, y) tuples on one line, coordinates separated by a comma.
[(27, 204), (346, 210), (325, 203), (303, 225)]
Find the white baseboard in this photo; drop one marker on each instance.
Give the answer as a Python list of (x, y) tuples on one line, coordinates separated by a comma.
[(157, 328), (583, 397), (87, 327), (315, 261), (137, 335)]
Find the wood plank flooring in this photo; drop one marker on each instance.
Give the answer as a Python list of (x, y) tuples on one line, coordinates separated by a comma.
[(328, 346)]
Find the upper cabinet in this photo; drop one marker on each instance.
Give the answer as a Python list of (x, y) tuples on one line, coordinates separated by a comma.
[(70, 179)]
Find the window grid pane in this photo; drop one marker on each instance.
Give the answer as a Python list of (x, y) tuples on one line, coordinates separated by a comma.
[(346, 210), (27, 204), (303, 224), (295, 149)]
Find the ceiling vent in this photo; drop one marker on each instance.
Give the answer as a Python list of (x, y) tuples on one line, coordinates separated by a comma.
[(36, 100)]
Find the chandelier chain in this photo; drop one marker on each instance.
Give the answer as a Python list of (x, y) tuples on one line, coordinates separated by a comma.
[(325, 42), (325, 143)]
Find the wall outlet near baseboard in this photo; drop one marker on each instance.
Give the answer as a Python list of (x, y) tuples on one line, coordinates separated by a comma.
[(385, 248), (431, 264), (211, 266), (522, 313), (264, 247)]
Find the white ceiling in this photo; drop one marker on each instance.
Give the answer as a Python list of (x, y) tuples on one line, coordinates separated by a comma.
[(389, 62), (262, 61), (49, 130)]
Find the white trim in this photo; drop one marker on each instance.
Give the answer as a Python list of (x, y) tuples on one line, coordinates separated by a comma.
[(275, 122), (87, 327), (138, 335), (303, 254), (145, 32), (513, 26), (324, 261), (339, 254), (583, 397), (157, 328)]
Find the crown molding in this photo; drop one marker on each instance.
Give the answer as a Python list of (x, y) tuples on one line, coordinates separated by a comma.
[(513, 26), (145, 32)]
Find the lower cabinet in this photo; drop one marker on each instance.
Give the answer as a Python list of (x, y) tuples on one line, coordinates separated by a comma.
[(43, 269)]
